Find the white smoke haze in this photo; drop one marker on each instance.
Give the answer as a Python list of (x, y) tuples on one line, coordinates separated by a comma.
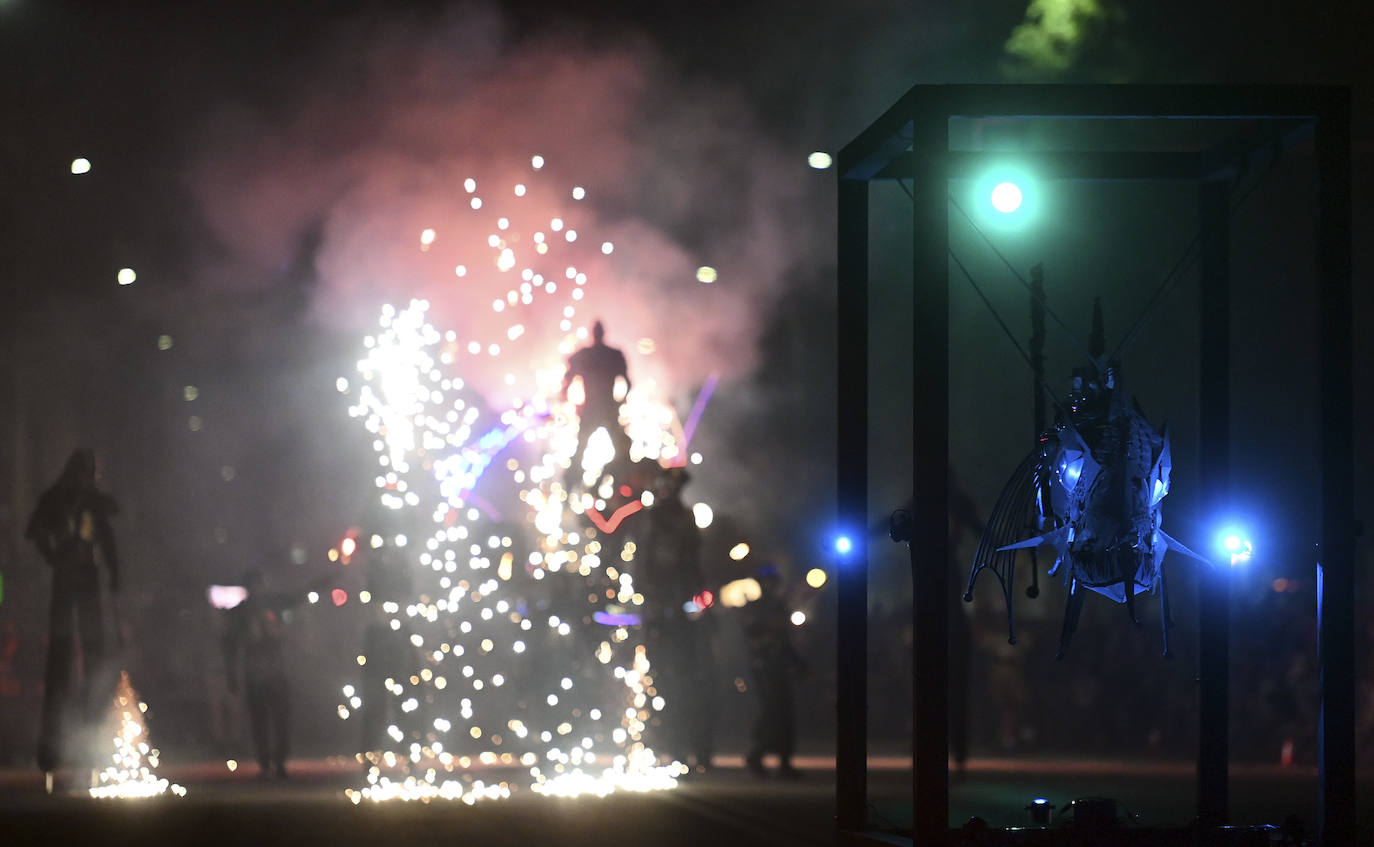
[(372, 144)]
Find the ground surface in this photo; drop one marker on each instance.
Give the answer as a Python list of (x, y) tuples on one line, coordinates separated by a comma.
[(725, 807)]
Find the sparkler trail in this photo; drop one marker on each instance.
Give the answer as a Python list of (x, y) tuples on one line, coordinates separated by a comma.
[(698, 408), (504, 668)]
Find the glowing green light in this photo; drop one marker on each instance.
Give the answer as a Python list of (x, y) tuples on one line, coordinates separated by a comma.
[(1006, 197)]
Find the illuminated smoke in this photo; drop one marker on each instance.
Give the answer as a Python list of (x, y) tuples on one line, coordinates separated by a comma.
[(392, 120)]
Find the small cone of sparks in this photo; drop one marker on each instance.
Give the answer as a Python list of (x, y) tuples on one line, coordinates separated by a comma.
[(130, 773)]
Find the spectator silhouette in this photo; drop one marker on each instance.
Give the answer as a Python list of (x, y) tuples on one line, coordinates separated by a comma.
[(255, 641), (773, 662)]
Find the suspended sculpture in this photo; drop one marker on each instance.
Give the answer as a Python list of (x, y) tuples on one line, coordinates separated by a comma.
[(1094, 486)]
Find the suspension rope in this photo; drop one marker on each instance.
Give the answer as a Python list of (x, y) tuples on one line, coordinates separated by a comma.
[(1190, 255), (1005, 329), (1039, 296)]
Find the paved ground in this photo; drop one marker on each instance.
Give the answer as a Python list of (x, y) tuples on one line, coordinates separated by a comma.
[(725, 807)]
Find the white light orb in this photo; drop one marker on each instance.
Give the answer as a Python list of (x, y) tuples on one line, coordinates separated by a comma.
[(1006, 197)]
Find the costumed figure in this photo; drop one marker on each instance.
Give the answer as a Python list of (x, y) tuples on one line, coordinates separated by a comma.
[(389, 653), (678, 642), (72, 521), (599, 366)]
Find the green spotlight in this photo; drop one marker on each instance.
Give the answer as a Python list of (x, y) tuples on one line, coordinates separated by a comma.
[(1005, 197)]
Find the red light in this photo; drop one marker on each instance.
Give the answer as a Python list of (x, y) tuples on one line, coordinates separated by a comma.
[(704, 600), (348, 547), (339, 596), (609, 526), (626, 491)]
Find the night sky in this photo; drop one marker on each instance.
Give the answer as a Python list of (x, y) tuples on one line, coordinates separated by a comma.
[(253, 163)]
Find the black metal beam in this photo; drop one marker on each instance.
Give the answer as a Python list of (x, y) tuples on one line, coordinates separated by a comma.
[(1116, 102), (931, 591), (851, 719), (886, 138), (1336, 551), (1097, 166), (1252, 148), (1037, 352), (1214, 469)]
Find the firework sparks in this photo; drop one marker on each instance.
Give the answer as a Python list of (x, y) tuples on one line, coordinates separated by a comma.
[(472, 695), (130, 772)]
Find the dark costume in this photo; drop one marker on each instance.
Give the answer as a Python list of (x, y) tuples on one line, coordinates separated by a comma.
[(389, 653), (598, 365), (69, 523), (678, 644), (255, 638), (772, 663)]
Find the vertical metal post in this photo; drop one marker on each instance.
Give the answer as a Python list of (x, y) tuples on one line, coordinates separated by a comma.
[(1336, 555), (930, 477), (1037, 347), (1214, 468), (851, 719)]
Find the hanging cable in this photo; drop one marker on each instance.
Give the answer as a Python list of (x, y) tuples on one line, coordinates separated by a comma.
[(1185, 261), (995, 316), (1005, 329), (1039, 297)]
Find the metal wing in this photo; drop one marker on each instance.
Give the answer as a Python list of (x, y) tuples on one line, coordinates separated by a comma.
[(1007, 523)]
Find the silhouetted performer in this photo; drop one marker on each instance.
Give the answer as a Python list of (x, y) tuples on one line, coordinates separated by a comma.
[(598, 365), (255, 641), (71, 521), (678, 643), (772, 663), (389, 654)]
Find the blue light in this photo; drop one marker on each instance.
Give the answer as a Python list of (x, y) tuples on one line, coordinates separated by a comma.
[(843, 544), (1236, 543)]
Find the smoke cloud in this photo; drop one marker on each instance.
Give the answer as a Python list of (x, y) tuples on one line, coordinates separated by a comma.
[(379, 127)]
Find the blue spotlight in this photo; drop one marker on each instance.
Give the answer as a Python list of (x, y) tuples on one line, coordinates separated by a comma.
[(843, 545), (1236, 543)]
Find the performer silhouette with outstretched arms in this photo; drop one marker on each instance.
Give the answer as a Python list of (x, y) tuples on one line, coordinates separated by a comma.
[(599, 365)]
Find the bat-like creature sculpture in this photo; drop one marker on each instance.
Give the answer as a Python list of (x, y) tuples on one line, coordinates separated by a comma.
[(1095, 483)]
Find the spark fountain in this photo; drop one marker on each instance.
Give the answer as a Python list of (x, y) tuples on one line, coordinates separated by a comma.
[(511, 654), (130, 772)]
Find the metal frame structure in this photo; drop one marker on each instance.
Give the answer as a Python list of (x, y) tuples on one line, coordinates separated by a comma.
[(911, 142)]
